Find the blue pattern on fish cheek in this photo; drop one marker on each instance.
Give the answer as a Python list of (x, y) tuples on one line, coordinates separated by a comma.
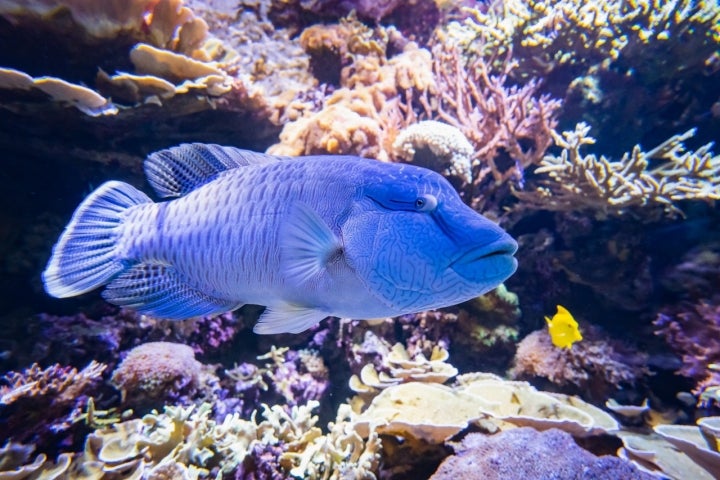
[(403, 257)]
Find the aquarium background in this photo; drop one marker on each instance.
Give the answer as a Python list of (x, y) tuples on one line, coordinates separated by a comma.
[(584, 129)]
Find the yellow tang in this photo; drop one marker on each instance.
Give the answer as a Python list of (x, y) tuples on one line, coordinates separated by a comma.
[(563, 328)]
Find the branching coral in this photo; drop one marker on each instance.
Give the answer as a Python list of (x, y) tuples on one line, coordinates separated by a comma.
[(693, 331), (297, 376), (188, 443), (615, 187), (594, 367), (546, 35), (39, 404), (509, 127)]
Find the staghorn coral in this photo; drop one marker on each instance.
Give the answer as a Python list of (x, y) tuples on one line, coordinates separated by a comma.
[(509, 127), (157, 370), (188, 443), (40, 405), (340, 454), (548, 35), (692, 330), (594, 367), (527, 453), (615, 188)]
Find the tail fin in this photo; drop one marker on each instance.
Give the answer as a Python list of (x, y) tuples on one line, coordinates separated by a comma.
[(84, 257)]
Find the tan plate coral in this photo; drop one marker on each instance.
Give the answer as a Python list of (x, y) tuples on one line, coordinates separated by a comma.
[(434, 412)]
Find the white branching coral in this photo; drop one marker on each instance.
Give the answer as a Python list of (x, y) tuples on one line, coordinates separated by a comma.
[(612, 187), (436, 145)]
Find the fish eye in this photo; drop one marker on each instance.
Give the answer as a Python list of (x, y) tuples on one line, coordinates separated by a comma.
[(425, 203)]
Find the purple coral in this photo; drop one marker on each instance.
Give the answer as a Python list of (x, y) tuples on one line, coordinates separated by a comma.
[(40, 406), (262, 463), (693, 331), (527, 453)]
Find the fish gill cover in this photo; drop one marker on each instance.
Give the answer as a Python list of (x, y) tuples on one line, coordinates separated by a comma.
[(582, 129)]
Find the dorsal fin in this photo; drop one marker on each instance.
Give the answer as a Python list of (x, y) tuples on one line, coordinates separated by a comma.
[(176, 171)]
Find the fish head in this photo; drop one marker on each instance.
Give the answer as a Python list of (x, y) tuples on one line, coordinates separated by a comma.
[(416, 245)]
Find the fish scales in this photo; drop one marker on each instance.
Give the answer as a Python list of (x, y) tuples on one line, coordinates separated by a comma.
[(308, 237)]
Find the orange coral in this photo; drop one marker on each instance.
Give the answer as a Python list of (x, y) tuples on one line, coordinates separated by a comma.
[(363, 117), (158, 370)]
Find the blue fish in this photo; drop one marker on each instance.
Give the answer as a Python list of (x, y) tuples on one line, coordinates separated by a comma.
[(308, 237)]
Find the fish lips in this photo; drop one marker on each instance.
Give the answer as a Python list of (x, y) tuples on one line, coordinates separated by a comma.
[(489, 263)]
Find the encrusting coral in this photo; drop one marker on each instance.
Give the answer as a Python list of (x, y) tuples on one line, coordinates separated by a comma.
[(524, 453)]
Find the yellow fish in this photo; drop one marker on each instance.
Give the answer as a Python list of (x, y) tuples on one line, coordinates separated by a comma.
[(563, 328)]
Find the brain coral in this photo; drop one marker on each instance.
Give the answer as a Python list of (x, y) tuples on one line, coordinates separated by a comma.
[(158, 370)]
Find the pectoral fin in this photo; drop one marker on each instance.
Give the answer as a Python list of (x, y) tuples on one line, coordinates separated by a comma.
[(287, 319), (306, 244)]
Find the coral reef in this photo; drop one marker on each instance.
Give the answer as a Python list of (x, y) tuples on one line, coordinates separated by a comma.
[(608, 187), (187, 443), (430, 412), (594, 367), (527, 453), (374, 101), (692, 330), (676, 451), (437, 146), (473, 90), (157, 371), (510, 128), (40, 406)]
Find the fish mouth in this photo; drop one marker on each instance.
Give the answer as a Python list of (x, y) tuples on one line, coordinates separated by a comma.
[(489, 262), (501, 247)]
